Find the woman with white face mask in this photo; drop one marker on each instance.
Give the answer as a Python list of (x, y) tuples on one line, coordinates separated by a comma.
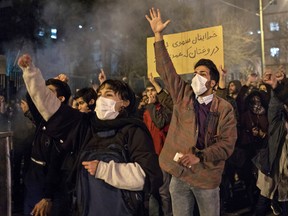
[(116, 161)]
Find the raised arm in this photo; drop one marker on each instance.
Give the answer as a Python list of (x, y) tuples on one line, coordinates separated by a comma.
[(279, 84), (154, 83), (175, 85), (44, 99), (221, 90), (222, 77)]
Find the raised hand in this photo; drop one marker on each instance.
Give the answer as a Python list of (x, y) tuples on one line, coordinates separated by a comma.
[(25, 61), (156, 85), (62, 77), (102, 76), (151, 99), (270, 79), (151, 78), (222, 77), (280, 76), (222, 71), (155, 20), (24, 106)]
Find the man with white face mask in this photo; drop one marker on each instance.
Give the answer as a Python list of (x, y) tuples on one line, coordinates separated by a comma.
[(205, 78), (115, 157), (106, 108), (202, 131), (199, 84)]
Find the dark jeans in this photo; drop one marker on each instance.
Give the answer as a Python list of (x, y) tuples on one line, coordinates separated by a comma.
[(35, 185), (20, 156), (284, 206), (262, 206), (160, 203)]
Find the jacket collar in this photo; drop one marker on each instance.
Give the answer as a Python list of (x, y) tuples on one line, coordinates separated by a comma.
[(206, 99)]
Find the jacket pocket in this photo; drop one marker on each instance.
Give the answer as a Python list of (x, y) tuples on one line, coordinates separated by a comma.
[(177, 171)]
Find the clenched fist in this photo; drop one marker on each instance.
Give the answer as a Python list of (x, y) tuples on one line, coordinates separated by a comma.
[(62, 77), (25, 61)]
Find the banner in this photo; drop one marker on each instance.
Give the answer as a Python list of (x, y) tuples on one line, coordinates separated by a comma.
[(186, 48)]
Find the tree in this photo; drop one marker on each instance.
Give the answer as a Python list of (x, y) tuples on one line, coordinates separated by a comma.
[(241, 45)]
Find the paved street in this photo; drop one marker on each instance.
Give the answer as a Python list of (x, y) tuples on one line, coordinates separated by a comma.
[(241, 212)]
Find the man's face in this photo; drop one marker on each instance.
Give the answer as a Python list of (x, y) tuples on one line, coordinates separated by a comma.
[(107, 92), (232, 88), (150, 91), (205, 72), (82, 105), (54, 90)]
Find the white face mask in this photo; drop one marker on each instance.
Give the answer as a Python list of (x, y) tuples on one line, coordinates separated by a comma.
[(198, 84), (105, 108)]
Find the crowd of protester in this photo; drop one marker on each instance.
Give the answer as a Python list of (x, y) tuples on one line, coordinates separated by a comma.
[(206, 148)]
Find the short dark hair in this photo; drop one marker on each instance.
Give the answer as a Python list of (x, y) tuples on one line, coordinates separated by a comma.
[(87, 94), (62, 88), (149, 84), (214, 74), (124, 90)]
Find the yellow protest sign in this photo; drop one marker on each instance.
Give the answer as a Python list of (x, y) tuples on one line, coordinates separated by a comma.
[(186, 48)]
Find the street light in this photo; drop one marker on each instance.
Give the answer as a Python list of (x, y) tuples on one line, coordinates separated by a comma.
[(261, 9), (262, 36)]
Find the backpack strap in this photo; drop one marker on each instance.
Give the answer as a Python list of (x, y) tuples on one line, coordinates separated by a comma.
[(123, 133)]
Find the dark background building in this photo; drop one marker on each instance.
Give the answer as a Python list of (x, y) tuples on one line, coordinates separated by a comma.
[(79, 37)]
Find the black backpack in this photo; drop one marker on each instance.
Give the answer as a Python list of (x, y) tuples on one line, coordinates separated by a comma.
[(110, 145)]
